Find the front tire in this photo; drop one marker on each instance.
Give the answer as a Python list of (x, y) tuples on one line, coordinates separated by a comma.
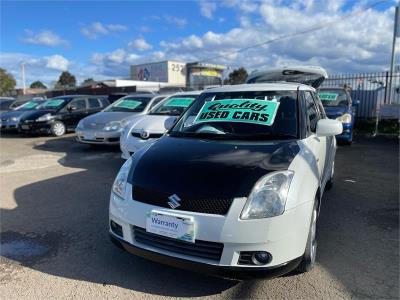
[(310, 254), (58, 128)]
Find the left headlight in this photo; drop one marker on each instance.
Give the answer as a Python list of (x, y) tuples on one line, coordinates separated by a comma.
[(119, 185), (346, 118), (268, 197), (80, 125), (113, 126), (45, 117), (14, 119)]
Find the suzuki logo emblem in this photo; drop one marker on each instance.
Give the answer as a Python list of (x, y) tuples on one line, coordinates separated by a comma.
[(174, 201)]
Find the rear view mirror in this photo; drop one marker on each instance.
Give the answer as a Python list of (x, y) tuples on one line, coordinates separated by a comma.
[(170, 122), (328, 127)]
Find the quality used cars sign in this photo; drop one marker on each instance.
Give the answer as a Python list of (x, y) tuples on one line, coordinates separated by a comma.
[(261, 112)]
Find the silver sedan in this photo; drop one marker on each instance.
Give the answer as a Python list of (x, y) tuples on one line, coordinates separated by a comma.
[(105, 127)]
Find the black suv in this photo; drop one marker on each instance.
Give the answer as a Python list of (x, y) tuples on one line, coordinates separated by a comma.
[(58, 115)]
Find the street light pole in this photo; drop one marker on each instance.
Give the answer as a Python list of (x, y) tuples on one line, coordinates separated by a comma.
[(23, 78), (396, 33)]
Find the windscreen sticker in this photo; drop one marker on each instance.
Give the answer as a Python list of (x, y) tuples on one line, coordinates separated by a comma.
[(326, 96), (54, 102), (261, 112), (181, 102), (30, 105), (131, 104)]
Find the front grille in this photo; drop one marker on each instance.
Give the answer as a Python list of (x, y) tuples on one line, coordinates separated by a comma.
[(151, 135), (202, 249), (216, 206)]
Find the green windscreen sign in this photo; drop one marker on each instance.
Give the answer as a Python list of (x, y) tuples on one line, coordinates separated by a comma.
[(180, 102), (261, 112), (30, 104), (130, 104), (55, 102), (325, 96)]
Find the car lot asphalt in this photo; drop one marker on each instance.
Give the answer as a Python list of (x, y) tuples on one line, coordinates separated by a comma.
[(54, 235)]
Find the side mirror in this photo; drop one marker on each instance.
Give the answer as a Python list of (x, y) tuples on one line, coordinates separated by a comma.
[(328, 127), (170, 122), (71, 107), (356, 102)]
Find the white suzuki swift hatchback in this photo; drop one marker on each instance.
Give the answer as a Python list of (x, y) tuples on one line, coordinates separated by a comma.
[(235, 186)]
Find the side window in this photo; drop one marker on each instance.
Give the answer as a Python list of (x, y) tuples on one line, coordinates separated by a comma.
[(94, 103), (320, 106), (312, 112), (156, 101), (79, 104)]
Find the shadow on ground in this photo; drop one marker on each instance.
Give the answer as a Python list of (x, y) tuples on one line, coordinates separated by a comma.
[(63, 221)]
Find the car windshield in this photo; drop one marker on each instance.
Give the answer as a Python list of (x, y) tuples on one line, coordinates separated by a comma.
[(129, 104), (173, 106), (333, 97), (31, 105), (54, 103), (250, 115)]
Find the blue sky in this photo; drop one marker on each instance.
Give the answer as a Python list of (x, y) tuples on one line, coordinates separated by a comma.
[(100, 39)]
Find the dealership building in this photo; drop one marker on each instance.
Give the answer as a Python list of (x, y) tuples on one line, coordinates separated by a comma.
[(194, 75)]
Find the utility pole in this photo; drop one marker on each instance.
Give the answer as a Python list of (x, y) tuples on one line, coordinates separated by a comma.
[(23, 78), (396, 33)]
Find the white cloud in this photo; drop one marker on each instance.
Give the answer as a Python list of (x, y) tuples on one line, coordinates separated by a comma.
[(207, 8), (139, 44), (46, 69), (97, 29), (179, 22), (349, 44), (45, 38), (57, 62)]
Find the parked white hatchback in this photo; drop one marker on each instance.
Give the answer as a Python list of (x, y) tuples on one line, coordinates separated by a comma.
[(144, 129), (235, 187)]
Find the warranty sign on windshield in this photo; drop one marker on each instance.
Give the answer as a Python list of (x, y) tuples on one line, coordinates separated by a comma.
[(261, 112)]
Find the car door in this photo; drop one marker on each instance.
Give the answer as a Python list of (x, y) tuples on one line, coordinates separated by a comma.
[(75, 111), (94, 105), (330, 144), (317, 145)]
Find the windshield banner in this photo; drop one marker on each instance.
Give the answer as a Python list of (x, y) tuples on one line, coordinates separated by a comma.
[(180, 102), (30, 104), (130, 104), (55, 102), (325, 96), (261, 112)]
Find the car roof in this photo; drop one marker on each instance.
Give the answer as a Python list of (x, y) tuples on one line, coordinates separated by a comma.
[(151, 96), (332, 88), (274, 86), (188, 93)]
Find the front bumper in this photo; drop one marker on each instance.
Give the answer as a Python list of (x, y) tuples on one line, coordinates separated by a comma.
[(36, 127), (9, 126), (88, 136), (284, 236), (347, 134), (231, 272)]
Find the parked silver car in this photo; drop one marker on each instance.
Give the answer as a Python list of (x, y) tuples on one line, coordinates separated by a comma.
[(105, 127)]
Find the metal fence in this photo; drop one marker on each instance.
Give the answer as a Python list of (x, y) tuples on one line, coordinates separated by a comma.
[(373, 90)]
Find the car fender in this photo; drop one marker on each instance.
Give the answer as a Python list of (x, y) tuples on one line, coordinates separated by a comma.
[(306, 181)]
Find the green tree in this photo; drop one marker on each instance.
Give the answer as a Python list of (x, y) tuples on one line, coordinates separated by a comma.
[(7, 82), (237, 76), (38, 85), (88, 81), (66, 80)]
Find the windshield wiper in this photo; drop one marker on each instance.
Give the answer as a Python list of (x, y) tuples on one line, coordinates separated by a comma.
[(268, 136), (205, 135)]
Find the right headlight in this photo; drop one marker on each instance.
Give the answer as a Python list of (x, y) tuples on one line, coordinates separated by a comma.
[(120, 181), (268, 197), (119, 185), (346, 118)]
